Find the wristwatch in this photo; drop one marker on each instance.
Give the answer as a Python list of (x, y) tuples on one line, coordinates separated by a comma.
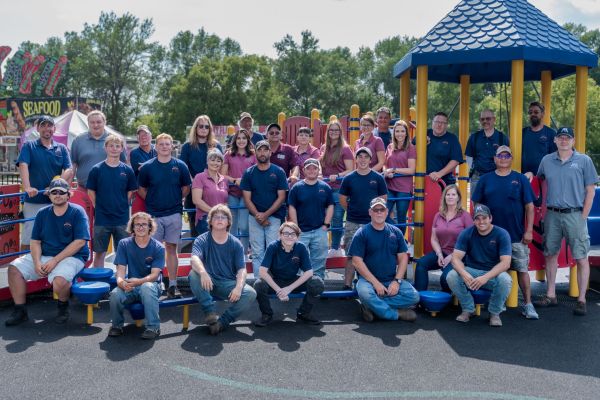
[(326, 225), (399, 281)]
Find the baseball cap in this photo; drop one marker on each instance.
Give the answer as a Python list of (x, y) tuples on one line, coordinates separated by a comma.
[(312, 161), (45, 119), (364, 150), (565, 131), (262, 143), (59, 184), (273, 125), (143, 128), (482, 209), (503, 149), (378, 201)]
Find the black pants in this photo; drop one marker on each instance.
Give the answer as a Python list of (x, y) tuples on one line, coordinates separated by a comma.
[(191, 215), (313, 288)]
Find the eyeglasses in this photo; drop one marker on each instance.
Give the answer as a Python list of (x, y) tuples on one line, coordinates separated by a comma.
[(202, 126), (379, 210), (220, 217), (335, 130), (140, 226), (274, 133), (504, 156), (289, 234), (365, 125), (57, 192)]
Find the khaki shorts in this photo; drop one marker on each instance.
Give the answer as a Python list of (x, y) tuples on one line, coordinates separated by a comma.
[(570, 226), (349, 230), (67, 268), (520, 257)]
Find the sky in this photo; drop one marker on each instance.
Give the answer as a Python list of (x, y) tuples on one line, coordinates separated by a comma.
[(258, 24)]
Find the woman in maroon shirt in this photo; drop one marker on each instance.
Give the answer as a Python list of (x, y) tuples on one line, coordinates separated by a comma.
[(209, 188), (304, 149), (374, 143), (448, 223)]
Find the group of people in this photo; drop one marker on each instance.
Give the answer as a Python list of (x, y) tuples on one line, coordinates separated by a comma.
[(243, 196)]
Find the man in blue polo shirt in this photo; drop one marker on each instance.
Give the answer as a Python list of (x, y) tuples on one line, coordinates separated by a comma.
[(487, 250), (279, 269), (264, 187), (163, 182), (310, 205), (246, 122), (144, 152), (538, 140), (110, 186), (384, 116), (358, 189), (509, 196), (39, 162), (139, 260), (378, 252), (58, 252)]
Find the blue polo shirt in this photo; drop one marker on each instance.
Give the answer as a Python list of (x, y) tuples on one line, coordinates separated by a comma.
[(310, 202), (263, 186), (44, 164), (379, 249), (360, 190), (195, 157), (138, 156), (440, 151), (140, 261), (385, 136), (221, 261), (506, 197), (257, 137), (483, 149), (111, 185), (535, 146), (484, 252), (56, 233), (283, 265), (164, 182)]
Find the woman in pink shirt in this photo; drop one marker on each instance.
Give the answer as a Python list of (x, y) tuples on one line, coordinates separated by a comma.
[(209, 188), (304, 149), (238, 159), (400, 158), (448, 223), (337, 161), (374, 143)]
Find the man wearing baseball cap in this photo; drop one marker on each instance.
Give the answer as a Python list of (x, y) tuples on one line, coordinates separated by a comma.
[(480, 260), (246, 122), (379, 255), (58, 252), (571, 178)]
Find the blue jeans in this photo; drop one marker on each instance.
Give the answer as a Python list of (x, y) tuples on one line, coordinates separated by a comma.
[(239, 226), (316, 243), (429, 263), (260, 238), (500, 287), (148, 293), (385, 307), (401, 207), (337, 221), (221, 289)]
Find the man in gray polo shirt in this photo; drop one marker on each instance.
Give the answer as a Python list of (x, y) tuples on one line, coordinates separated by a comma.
[(571, 178)]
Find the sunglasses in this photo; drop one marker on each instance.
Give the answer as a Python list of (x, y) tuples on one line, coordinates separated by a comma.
[(57, 192), (202, 126), (379, 210), (504, 156)]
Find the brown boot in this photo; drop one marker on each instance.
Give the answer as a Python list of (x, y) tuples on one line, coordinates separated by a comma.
[(406, 314)]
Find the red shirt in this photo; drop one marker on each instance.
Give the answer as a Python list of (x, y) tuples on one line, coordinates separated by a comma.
[(311, 152), (285, 157)]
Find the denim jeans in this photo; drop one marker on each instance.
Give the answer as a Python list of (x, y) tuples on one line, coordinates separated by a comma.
[(385, 307), (401, 208), (500, 287), (316, 243), (429, 263), (313, 288), (337, 221), (221, 290), (148, 293), (260, 238), (239, 225)]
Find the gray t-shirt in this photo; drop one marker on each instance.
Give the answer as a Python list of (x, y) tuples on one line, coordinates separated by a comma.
[(87, 152), (567, 181), (221, 261)]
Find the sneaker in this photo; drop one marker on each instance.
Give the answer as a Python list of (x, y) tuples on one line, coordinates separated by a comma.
[(340, 252), (331, 253), (464, 317), (307, 319), (211, 318), (407, 314), (495, 320), (264, 320), (546, 301), (18, 316), (580, 309), (149, 334), (173, 292), (63, 313), (216, 328), (529, 312), (115, 331), (367, 314)]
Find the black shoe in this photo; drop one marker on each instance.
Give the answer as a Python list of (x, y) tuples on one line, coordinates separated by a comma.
[(264, 320), (580, 309), (366, 314), (173, 292), (115, 331), (307, 319), (149, 334), (216, 328), (63, 313), (18, 316)]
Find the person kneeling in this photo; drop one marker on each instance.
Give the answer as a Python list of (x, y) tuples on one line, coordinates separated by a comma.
[(378, 253), (279, 274), (142, 257)]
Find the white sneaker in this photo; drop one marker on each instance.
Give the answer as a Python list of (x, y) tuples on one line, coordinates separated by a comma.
[(331, 253), (529, 312), (340, 252)]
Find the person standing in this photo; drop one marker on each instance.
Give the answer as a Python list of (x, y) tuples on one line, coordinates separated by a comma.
[(383, 131), (209, 188), (373, 143), (282, 154), (304, 149), (444, 153), (538, 139), (246, 122), (144, 152)]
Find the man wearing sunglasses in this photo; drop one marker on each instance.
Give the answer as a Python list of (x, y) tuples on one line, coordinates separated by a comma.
[(58, 252), (538, 140), (509, 196), (379, 255)]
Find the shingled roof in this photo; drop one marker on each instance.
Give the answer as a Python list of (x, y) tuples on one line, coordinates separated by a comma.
[(480, 38)]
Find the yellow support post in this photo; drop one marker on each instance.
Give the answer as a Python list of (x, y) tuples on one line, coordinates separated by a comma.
[(281, 120), (540, 274), (513, 296), (186, 316), (314, 115), (354, 129), (230, 130), (573, 286), (421, 135), (90, 314), (463, 135), (516, 112), (581, 78), (405, 96)]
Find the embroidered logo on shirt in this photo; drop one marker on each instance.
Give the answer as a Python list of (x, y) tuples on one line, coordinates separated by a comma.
[(281, 156), (296, 260), (373, 183), (492, 242), (149, 260)]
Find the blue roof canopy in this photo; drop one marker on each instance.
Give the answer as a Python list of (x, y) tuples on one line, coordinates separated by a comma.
[(481, 38)]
